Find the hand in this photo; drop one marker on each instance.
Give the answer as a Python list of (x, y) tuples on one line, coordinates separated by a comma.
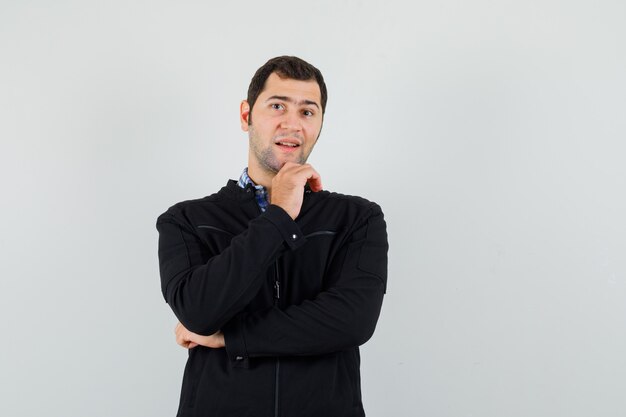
[(288, 186), (190, 340)]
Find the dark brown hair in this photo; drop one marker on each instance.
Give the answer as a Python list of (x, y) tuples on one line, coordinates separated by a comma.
[(286, 67)]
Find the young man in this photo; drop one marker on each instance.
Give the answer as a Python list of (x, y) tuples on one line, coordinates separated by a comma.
[(276, 283)]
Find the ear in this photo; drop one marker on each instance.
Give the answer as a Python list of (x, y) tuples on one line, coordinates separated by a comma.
[(244, 114)]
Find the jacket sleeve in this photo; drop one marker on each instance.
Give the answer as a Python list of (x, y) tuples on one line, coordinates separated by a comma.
[(342, 316), (206, 290)]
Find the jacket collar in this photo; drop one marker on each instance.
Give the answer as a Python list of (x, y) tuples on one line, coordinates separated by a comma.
[(233, 191)]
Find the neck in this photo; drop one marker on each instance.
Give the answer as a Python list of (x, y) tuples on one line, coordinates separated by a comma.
[(260, 176)]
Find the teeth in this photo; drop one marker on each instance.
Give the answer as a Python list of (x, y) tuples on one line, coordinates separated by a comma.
[(293, 145)]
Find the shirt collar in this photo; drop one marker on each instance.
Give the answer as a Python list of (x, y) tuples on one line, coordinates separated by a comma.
[(259, 191), (244, 180)]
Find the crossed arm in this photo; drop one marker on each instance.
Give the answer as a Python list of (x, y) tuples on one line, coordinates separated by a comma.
[(341, 316), (344, 315), (287, 189)]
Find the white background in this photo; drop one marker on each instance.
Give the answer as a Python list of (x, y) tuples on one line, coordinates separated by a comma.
[(491, 133)]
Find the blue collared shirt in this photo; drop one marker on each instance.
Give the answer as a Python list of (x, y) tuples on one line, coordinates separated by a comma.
[(262, 198)]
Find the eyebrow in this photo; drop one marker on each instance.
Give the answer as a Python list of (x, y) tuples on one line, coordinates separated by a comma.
[(290, 100)]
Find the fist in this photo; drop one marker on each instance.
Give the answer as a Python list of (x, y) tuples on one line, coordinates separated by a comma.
[(288, 186), (190, 340)]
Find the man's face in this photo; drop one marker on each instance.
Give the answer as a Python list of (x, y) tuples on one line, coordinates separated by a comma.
[(285, 123)]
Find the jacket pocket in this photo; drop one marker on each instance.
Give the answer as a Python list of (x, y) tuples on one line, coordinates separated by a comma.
[(321, 233)]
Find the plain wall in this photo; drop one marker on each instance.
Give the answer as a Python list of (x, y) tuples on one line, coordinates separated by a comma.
[(491, 133)]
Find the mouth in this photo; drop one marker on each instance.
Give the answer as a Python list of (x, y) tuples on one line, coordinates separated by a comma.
[(288, 144)]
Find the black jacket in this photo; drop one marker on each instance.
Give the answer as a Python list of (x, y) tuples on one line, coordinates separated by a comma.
[(294, 300)]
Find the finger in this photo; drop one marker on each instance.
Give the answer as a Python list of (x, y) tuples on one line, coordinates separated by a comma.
[(315, 184), (290, 164), (314, 179), (191, 345), (181, 337)]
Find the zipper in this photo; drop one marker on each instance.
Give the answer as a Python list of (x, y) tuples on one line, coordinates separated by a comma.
[(276, 304), (250, 190), (276, 291), (276, 392)]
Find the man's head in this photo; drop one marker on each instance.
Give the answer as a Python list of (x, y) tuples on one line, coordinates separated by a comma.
[(286, 67), (287, 97)]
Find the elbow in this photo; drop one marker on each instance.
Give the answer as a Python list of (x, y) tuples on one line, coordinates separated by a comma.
[(363, 332), (360, 328), (194, 315), (364, 320)]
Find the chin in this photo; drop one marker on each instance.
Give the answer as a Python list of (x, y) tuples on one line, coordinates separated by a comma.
[(275, 164)]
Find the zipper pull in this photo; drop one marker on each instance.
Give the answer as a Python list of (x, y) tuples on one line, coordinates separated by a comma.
[(277, 289)]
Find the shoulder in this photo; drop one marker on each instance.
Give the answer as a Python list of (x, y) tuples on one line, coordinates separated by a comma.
[(184, 210), (342, 208), (354, 202)]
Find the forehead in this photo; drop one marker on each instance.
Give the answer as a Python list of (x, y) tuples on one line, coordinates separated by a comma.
[(295, 89)]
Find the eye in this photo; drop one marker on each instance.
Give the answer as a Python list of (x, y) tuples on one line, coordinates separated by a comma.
[(308, 113), (277, 106)]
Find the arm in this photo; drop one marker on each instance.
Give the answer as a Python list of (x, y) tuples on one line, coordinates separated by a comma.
[(344, 315), (207, 290)]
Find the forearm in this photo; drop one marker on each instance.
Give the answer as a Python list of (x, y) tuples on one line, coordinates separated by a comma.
[(206, 290), (335, 320), (342, 316)]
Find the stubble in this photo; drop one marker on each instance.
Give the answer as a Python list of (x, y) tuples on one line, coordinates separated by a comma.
[(267, 156)]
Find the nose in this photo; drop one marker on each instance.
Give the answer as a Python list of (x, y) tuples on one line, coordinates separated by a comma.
[(291, 122)]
